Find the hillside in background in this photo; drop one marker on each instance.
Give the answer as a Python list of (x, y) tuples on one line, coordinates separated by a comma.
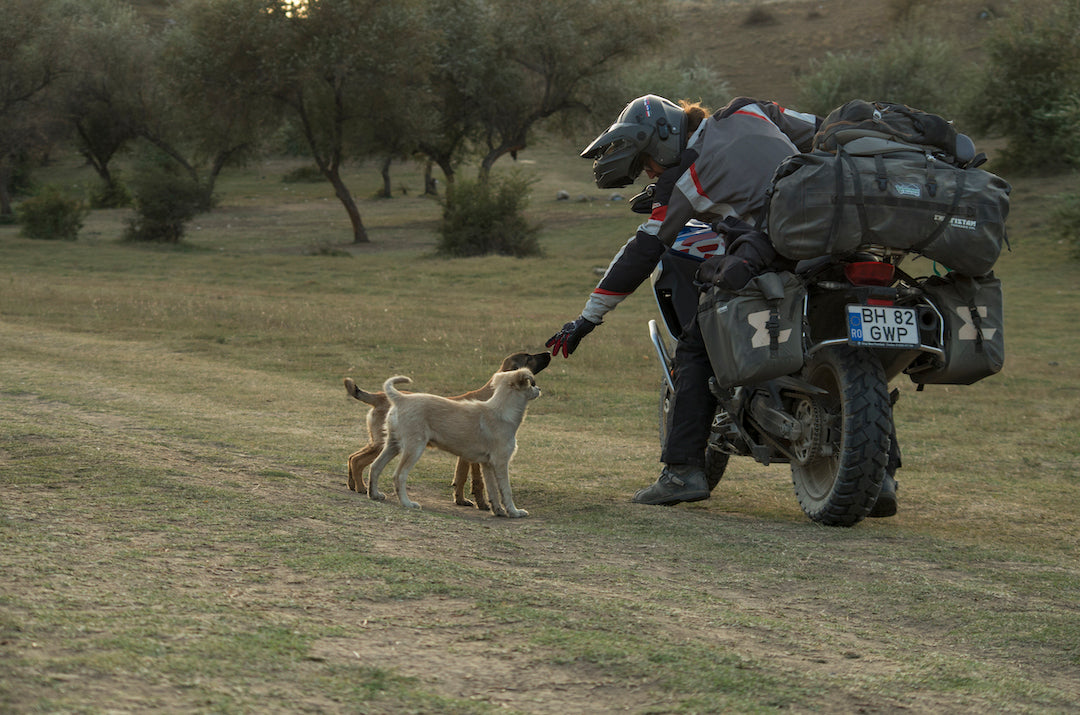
[(761, 48)]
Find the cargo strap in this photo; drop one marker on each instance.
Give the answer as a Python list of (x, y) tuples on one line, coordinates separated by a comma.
[(968, 289), (838, 209), (961, 179), (976, 320), (772, 289), (773, 326), (881, 174)]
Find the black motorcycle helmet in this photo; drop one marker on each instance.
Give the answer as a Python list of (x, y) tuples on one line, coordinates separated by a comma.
[(649, 125)]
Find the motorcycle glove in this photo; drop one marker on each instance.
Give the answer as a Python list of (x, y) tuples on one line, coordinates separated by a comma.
[(567, 339)]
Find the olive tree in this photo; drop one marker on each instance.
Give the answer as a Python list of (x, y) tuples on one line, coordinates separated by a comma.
[(352, 76), (215, 107), (554, 57), (101, 96), (502, 69), (33, 39)]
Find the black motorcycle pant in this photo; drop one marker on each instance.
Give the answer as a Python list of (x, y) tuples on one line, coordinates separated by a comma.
[(693, 406)]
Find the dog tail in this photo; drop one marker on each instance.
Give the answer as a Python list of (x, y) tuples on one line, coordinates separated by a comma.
[(354, 391), (390, 390)]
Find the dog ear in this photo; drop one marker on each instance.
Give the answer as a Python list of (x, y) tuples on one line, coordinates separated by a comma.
[(523, 379)]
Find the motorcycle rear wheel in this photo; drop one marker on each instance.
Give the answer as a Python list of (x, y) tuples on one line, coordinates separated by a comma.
[(839, 486), (715, 460)]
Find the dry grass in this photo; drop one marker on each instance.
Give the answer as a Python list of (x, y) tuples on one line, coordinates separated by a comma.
[(177, 535)]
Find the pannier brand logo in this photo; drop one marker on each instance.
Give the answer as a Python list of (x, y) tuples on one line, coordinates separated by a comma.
[(761, 339), (968, 331), (913, 190), (968, 224)]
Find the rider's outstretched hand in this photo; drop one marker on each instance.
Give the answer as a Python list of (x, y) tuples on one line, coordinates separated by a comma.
[(567, 339)]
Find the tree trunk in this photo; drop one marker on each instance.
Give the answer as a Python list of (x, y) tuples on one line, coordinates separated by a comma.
[(216, 168), (494, 155), (5, 180), (329, 165), (360, 234), (387, 193), (430, 187)]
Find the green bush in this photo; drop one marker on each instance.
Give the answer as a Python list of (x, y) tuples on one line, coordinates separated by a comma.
[(484, 217), (164, 202), (304, 175), (111, 195), (922, 72), (1030, 90), (51, 215), (675, 78)]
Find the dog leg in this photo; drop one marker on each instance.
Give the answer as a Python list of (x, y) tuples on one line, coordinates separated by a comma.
[(478, 490), (353, 485), (502, 478), (492, 490), (389, 451), (409, 456), (358, 462), (461, 473)]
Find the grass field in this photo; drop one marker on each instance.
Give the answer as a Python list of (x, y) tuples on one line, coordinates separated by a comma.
[(176, 534)]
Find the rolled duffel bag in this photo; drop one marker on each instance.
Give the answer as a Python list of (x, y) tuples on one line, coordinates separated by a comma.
[(754, 334), (974, 319), (876, 191)]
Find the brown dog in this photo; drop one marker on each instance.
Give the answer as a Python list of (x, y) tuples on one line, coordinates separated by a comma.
[(481, 432), (376, 420)]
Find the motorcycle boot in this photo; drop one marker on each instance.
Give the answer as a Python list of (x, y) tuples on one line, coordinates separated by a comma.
[(886, 501), (677, 483)]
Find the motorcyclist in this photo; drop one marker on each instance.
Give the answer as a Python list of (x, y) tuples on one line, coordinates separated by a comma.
[(714, 168)]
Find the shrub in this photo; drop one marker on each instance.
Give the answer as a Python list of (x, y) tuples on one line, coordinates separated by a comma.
[(1028, 92), (483, 217), (759, 16), (901, 11), (51, 215), (110, 195), (923, 72), (164, 202), (676, 78), (304, 175)]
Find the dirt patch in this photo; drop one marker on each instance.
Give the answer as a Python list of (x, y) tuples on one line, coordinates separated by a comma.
[(768, 616)]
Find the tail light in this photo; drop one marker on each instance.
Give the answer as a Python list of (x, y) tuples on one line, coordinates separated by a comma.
[(870, 273)]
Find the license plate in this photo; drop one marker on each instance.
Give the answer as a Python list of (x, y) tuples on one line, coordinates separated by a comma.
[(882, 326)]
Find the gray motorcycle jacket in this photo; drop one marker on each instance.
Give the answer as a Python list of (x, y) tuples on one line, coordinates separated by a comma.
[(725, 170)]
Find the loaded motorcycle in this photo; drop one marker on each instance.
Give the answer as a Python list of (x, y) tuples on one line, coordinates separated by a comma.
[(803, 361)]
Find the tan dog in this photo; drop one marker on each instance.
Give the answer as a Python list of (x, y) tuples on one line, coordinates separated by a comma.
[(481, 432), (376, 418)]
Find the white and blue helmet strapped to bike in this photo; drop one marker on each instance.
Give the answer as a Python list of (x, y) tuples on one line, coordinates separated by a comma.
[(648, 126)]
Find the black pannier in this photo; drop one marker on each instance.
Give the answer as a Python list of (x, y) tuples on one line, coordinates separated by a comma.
[(973, 335), (754, 334)]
